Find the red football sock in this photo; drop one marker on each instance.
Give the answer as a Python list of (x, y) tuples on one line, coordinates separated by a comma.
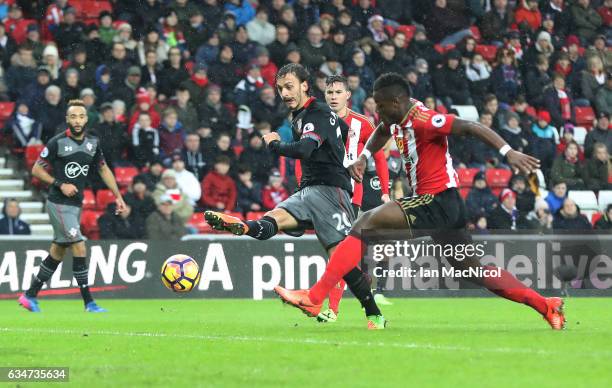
[(346, 257), (335, 295), (509, 287)]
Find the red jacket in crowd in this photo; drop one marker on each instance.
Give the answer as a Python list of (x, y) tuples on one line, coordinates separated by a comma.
[(218, 188), (270, 197)]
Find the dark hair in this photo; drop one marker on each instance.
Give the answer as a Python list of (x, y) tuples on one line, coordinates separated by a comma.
[(489, 97), (223, 159), (72, 103), (393, 81), (337, 78), (297, 70), (243, 168)]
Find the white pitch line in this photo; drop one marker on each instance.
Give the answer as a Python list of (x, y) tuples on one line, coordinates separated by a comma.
[(304, 341)]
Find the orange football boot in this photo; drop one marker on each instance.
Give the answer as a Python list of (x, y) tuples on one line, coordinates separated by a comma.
[(554, 316), (299, 299), (225, 222)]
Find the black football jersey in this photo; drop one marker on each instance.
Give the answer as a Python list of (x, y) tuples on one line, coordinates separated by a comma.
[(325, 165), (71, 161)]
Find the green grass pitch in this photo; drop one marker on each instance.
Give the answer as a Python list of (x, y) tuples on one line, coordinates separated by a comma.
[(429, 342)]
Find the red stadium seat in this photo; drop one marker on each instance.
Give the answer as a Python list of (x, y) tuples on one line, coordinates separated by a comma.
[(197, 221), (498, 177), (93, 8), (596, 216), (466, 176), (125, 175), (254, 215), (464, 192), (6, 110), (31, 154), (89, 223), (487, 52), (497, 191), (103, 198), (443, 49), (585, 116), (89, 200)]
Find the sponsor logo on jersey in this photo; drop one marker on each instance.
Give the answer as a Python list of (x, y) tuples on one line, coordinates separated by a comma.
[(67, 148), (438, 121), (375, 183), (73, 170), (44, 153)]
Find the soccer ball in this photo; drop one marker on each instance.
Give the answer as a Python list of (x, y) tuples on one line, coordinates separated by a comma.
[(180, 273)]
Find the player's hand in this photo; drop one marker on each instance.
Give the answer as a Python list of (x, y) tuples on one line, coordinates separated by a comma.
[(121, 207), (521, 162), (357, 169), (385, 198), (270, 137), (68, 189)]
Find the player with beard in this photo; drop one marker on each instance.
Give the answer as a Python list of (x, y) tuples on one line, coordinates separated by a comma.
[(436, 209), (69, 156), (323, 202)]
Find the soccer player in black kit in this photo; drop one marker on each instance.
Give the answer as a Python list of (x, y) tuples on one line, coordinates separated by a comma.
[(70, 155), (323, 202)]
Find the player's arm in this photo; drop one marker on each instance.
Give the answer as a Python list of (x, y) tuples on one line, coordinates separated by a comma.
[(375, 143), (382, 170), (515, 159), (39, 171), (301, 149), (109, 180)]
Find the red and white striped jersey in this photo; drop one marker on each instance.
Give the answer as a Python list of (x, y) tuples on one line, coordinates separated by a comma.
[(360, 130), (421, 139)]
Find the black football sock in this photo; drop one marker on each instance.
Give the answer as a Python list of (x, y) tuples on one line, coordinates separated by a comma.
[(263, 228), (80, 270), (359, 284), (45, 271)]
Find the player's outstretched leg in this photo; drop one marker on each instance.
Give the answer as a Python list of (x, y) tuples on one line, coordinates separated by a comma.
[(226, 223), (47, 268)]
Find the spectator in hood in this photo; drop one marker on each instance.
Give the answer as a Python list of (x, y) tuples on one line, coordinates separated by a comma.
[(542, 144), (143, 105), (480, 200), (10, 223), (127, 89)]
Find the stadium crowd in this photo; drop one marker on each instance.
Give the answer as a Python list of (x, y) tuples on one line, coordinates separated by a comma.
[(184, 89)]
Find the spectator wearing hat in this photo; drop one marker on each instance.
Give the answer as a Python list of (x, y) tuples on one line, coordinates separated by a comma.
[(193, 156), (227, 28), (574, 52), (568, 217), (70, 85), (34, 93), (567, 168), (450, 82), (196, 85), (506, 79), (598, 169), (165, 223), (512, 132), (145, 140), (600, 133), (258, 158), (542, 144), (376, 28), (525, 198), (112, 134), (126, 89), (480, 200), (10, 223), (197, 32), (187, 113), (603, 97), (21, 73), (267, 108), (69, 33), (25, 128), (274, 192), (592, 79), (88, 97), (169, 186), (605, 222), (560, 14), (542, 46), (224, 72), (585, 19), (506, 216), (106, 30), (209, 51), (314, 49), (187, 182), (280, 46), (124, 35), (213, 114), (556, 196), (495, 22), (422, 47), (331, 66), (218, 188), (558, 102), (144, 105), (567, 136), (548, 25), (249, 191), (103, 83), (260, 30), (248, 89)]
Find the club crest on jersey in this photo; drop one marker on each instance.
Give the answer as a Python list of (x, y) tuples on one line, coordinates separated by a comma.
[(89, 146), (44, 153), (73, 232), (438, 121), (73, 170), (309, 127)]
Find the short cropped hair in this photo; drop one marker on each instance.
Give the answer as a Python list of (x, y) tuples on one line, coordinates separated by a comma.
[(336, 79), (393, 81)]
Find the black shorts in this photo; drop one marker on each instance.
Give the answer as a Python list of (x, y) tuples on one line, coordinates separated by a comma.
[(442, 216)]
